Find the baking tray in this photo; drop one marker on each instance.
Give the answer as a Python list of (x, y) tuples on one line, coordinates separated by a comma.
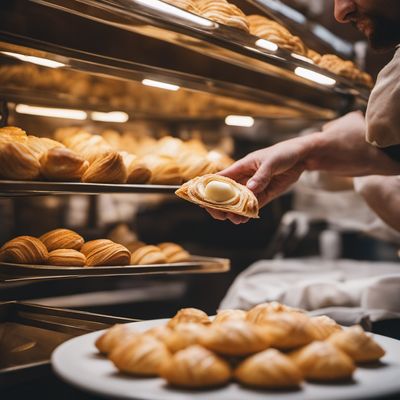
[(18, 188), (10, 272), (29, 333)]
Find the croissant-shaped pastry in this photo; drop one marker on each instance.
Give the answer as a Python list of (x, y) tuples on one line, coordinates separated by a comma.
[(189, 315), (62, 239), (67, 257), (257, 314), (146, 255), (323, 327), (141, 356), (13, 134), (220, 193), (106, 168), (184, 335), (18, 162), (235, 338), (24, 250), (39, 146), (161, 333), (138, 172), (60, 164), (105, 252), (322, 361), (269, 369), (360, 346), (195, 367), (164, 170), (193, 165), (115, 336), (133, 246), (188, 5), (173, 252), (229, 315), (287, 330)]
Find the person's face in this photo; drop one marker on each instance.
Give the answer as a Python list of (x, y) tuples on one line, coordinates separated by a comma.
[(378, 20)]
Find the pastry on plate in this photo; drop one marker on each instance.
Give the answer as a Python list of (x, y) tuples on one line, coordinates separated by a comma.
[(39, 145), (24, 250), (146, 255), (161, 332), (189, 315), (62, 239), (138, 172), (235, 338), (269, 369), (322, 361), (220, 193), (323, 327), (66, 257), (357, 344), (260, 311), (195, 367), (142, 356), (115, 336), (164, 170), (229, 315), (173, 252), (184, 335), (104, 252)]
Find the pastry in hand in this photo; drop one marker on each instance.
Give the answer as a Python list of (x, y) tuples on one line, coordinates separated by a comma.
[(322, 361), (138, 172), (66, 257), (62, 239), (24, 250), (357, 344), (220, 193), (235, 338), (229, 315), (104, 252), (195, 367), (164, 170), (260, 311), (18, 162), (184, 335), (61, 164), (13, 134), (115, 336), (269, 369), (106, 168), (173, 252), (39, 145), (189, 315), (142, 356), (288, 330), (323, 327), (147, 255)]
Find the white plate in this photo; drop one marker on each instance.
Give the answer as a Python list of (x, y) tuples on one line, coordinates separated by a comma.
[(78, 362)]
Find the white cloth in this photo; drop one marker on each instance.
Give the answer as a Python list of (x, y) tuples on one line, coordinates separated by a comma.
[(347, 290)]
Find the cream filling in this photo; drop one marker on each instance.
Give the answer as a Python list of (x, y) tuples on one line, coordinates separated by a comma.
[(219, 191)]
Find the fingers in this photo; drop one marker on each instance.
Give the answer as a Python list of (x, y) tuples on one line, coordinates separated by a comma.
[(216, 214), (261, 179), (223, 216), (241, 170)]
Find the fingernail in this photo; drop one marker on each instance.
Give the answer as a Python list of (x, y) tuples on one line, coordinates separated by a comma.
[(251, 185)]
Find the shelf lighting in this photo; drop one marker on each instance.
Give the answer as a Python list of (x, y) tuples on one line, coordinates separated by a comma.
[(44, 62), (314, 76), (160, 85), (51, 112), (177, 12), (113, 116), (302, 58), (267, 45), (239, 120)]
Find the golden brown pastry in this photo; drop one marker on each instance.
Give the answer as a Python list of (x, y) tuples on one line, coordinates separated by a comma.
[(18, 162), (173, 252), (229, 315), (184, 335), (115, 336), (62, 239), (106, 168), (357, 344), (269, 369), (323, 327), (164, 170), (133, 246), (188, 5), (148, 254), (314, 56), (322, 361), (260, 311), (159, 332), (104, 252), (61, 164), (235, 338), (24, 250), (287, 330), (195, 367), (220, 160), (169, 146), (193, 165), (39, 145), (142, 356), (138, 172), (13, 134), (220, 193), (189, 315), (66, 257)]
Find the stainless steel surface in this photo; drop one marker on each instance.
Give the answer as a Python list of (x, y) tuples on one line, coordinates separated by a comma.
[(10, 272)]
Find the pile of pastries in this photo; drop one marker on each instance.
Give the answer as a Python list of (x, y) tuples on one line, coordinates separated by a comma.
[(271, 346), (78, 155), (64, 247)]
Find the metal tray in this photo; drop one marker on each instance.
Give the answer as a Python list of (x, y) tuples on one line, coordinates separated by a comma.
[(29, 333), (10, 272), (18, 188)]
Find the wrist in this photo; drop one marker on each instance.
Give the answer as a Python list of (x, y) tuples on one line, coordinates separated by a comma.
[(312, 147)]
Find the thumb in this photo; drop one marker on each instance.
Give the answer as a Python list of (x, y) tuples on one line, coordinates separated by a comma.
[(237, 171), (261, 179)]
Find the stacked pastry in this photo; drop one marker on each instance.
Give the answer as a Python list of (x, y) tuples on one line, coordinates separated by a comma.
[(188, 5), (64, 247), (272, 346)]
